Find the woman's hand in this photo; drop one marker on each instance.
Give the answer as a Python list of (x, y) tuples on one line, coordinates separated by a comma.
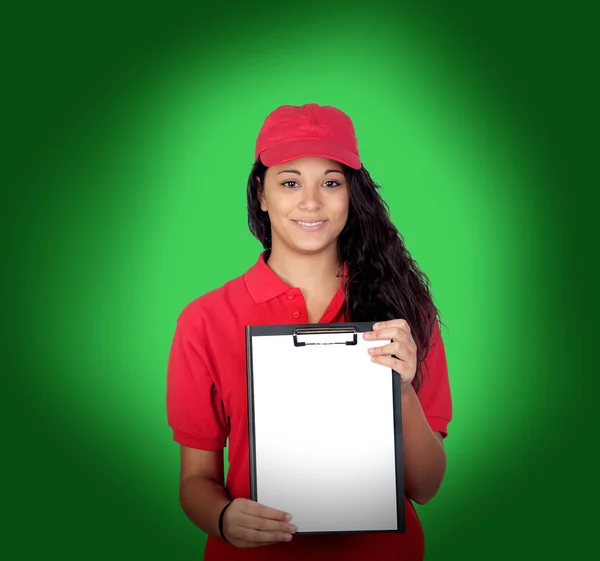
[(400, 354), (248, 523)]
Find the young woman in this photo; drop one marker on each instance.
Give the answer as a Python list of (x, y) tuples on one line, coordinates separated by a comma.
[(331, 254)]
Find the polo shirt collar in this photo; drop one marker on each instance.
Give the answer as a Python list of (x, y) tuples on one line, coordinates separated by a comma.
[(263, 284)]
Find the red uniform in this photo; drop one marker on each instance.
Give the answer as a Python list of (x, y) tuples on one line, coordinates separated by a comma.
[(207, 404)]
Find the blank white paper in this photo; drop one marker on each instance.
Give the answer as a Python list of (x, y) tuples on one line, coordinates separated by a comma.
[(324, 434)]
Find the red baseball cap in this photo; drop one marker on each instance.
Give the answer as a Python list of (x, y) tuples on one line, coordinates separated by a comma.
[(293, 131)]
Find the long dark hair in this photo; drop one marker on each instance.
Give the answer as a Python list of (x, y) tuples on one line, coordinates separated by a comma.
[(384, 282)]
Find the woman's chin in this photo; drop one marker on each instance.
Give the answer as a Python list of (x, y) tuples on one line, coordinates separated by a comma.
[(309, 248)]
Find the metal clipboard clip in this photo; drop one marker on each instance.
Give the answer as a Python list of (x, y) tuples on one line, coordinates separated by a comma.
[(325, 331)]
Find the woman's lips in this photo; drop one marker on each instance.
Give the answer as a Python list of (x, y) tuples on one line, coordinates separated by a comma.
[(311, 225)]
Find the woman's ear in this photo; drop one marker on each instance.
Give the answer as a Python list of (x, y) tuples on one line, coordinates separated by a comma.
[(260, 193)]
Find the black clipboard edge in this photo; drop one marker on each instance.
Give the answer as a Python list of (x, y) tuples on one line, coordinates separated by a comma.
[(251, 438), (347, 532), (398, 451), (288, 329), (361, 327)]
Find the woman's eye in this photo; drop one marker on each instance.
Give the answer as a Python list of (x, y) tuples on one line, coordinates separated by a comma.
[(291, 183)]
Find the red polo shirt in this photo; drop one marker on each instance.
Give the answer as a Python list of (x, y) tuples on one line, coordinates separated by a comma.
[(207, 404)]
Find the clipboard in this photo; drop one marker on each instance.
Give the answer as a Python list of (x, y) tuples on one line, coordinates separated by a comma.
[(325, 428)]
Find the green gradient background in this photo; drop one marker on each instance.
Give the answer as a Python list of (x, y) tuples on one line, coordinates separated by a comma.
[(130, 137)]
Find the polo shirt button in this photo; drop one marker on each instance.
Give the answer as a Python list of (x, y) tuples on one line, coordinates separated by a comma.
[(291, 295), (296, 314)]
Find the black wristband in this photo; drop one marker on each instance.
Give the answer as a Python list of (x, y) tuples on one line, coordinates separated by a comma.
[(221, 521)]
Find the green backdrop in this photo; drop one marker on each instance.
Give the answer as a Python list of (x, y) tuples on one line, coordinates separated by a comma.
[(130, 134)]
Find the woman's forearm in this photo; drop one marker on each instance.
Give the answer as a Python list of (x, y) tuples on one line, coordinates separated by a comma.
[(202, 500), (424, 454)]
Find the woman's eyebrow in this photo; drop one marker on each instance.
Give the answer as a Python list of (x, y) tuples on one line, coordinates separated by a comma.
[(298, 173)]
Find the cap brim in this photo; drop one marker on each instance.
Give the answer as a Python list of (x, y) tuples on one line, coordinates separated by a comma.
[(307, 148)]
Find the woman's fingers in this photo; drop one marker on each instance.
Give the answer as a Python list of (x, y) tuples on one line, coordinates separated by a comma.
[(266, 524), (259, 510), (400, 354), (251, 524), (400, 323), (391, 333), (258, 537), (398, 350), (267, 519), (405, 369)]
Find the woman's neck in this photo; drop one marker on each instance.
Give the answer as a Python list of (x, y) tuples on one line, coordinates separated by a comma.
[(306, 271)]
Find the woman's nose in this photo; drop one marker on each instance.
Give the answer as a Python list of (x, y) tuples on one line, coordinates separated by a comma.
[(310, 199)]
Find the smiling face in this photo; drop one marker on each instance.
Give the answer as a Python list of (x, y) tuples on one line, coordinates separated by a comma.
[(307, 201)]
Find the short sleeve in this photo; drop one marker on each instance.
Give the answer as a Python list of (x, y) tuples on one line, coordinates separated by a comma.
[(434, 393), (195, 411)]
